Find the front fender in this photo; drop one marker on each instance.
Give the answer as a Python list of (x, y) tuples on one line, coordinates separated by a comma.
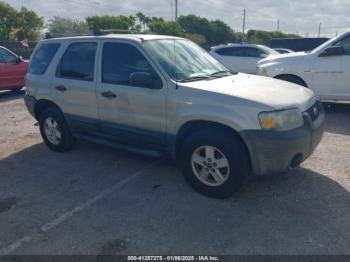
[(221, 115)]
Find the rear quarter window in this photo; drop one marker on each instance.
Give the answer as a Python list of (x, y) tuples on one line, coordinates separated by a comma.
[(42, 58)]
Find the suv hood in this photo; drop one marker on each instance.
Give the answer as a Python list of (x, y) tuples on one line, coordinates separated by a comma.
[(273, 93), (283, 57)]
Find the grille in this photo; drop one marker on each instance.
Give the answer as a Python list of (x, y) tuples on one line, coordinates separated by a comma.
[(314, 111)]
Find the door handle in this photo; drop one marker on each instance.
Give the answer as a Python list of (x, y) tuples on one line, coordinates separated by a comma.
[(109, 94), (61, 88)]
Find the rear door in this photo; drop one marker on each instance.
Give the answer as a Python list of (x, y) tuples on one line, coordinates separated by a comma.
[(130, 113), (75, 83), (11, 71)]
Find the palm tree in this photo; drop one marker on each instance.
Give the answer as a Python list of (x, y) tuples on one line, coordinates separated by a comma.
[(141, 17)]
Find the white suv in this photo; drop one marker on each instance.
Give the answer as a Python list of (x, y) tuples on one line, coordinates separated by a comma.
[(241, 57), (325, 70), (136, 91)]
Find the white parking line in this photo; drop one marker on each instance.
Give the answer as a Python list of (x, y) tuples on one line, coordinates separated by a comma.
[(65, 216), (15, 245)]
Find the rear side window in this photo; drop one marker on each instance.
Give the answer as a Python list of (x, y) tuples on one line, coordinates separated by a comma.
[(78, 62), (231, 51), (42, 57)]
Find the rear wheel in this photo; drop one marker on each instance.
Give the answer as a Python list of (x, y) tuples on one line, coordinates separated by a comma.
[(214, 162), (292, 79), (55, 130)]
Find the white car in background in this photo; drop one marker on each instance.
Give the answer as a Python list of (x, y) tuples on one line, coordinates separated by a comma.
[(325, 70), (283, 50), (241, 57)]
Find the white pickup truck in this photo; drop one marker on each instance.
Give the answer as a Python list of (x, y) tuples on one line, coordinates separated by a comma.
[(325, 70)]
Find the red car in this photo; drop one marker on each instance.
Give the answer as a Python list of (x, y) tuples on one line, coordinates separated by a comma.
[(12, 70)]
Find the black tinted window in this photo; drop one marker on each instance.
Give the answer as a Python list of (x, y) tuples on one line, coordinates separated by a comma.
[(231, 51), (6, 56), (345, 43), (78, 62), (42, 58), (121, 60), (253, 52)]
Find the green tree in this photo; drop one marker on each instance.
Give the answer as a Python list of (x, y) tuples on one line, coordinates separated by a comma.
[(7, 20), (30, 24), (142, 20), (219, 33), (166, 28), (110, 22), (59, 26), (25, 23), (264, 37), (215, 32)]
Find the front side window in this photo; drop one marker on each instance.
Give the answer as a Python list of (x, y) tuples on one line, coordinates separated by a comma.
[(182, 59), (42, 58), (253, 52), (345, 43), (78, 62), (120, 60), (7, 57)]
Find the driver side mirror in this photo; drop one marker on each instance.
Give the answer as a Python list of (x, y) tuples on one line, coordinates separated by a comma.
[(263, 55), (141, 79), (333, 51)]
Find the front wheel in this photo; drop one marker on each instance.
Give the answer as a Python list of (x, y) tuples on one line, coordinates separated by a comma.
[(55, 130), (214, 162)]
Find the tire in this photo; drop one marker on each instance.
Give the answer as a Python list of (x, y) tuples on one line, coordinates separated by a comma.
[(226, 144), (292, 79), (65, 141)]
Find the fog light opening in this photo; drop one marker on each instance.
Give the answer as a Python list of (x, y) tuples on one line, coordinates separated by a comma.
[(296, 160)]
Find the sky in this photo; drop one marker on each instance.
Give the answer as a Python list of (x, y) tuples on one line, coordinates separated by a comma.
[(295, 16)]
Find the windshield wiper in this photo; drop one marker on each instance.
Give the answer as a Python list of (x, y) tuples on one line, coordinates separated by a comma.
[(194, 78), (221, 73)]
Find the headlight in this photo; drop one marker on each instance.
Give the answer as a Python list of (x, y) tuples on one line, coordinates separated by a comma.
[(262, 71), (281, 120)]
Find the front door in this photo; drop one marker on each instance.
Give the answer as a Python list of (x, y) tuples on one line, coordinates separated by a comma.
[(343, 81), (11, 70), (331, 74), (130, 113), (252, 57)]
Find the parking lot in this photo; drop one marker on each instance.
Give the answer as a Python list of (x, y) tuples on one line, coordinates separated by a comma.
[(98, 200)]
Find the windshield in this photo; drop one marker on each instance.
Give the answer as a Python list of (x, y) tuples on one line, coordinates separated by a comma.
[(184, 60), (269, 50), (320, 47), (329, 42)]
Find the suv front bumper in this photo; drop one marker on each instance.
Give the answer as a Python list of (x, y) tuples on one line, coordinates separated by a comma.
[(274, 152), (30, 104)]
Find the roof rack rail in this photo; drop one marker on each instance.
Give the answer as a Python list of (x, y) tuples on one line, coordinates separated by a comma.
[(48, 35), (98, 32)]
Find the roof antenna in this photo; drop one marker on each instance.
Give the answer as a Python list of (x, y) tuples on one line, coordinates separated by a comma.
[(174, 44)]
